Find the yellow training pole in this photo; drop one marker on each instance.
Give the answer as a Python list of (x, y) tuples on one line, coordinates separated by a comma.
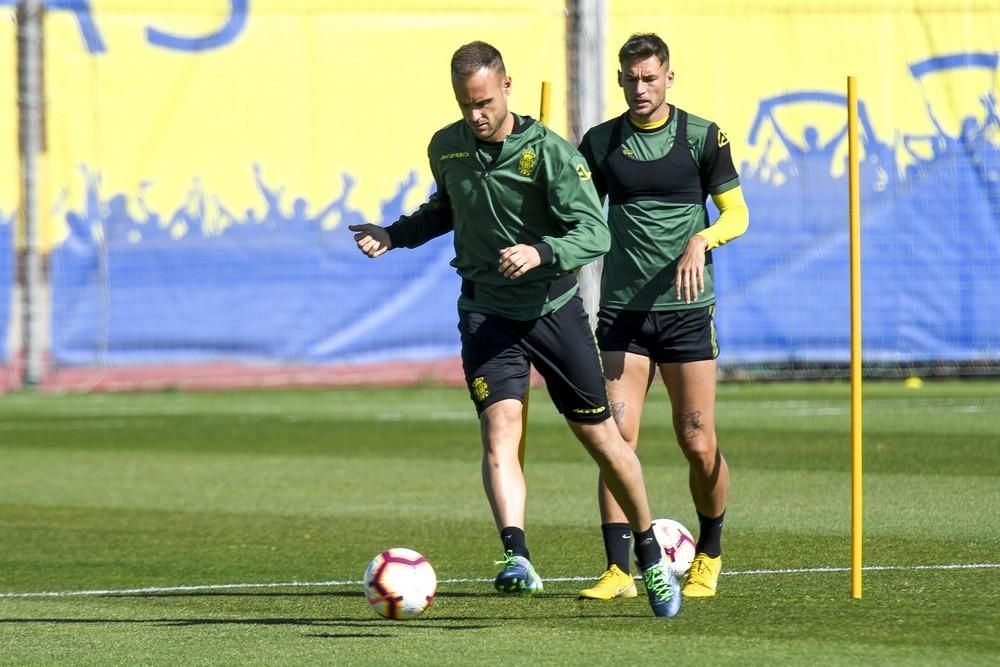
[(543, 108), (855, 213), (543, 116)]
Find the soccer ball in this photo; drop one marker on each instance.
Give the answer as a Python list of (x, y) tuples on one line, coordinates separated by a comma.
[(677, 542), (400, 584)]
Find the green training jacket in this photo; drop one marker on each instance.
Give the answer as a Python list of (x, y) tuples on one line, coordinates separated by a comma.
[(533, 188)]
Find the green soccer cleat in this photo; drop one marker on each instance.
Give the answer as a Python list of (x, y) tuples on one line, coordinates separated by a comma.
[(518, 576), (662, 588)]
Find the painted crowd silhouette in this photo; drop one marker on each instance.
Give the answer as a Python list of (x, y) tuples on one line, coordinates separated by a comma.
[(924, 196)]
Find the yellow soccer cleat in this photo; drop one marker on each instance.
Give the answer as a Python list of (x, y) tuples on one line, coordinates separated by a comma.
[(613, 584), (703, 578)]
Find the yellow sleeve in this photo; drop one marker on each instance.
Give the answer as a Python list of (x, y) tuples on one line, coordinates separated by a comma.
[(733, 220)]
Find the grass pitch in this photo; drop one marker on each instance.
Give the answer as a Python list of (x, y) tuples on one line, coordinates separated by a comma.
[(233, 528)]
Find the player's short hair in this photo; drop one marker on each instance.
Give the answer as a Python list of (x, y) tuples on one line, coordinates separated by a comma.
[(474, 56), (643, 45)]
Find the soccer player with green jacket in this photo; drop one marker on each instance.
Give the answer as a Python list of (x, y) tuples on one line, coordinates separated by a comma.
[(524, 213)]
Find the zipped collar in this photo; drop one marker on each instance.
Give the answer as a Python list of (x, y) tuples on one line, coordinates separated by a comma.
[(521, 123)]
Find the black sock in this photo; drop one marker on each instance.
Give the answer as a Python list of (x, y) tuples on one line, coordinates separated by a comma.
[(647, 550), (513, 540), (710, 535), (617, 540)]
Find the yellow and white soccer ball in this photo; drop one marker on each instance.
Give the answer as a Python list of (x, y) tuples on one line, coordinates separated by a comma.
[(400, 584)]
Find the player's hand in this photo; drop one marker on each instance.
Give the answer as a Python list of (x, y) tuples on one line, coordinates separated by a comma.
[(690, 279), (371, 239), (517, 260)]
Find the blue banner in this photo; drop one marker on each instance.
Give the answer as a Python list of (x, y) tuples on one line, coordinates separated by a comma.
[(928, 289), (272, 286)]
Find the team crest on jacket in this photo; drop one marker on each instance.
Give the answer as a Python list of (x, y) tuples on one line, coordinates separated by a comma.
[(527, 163)]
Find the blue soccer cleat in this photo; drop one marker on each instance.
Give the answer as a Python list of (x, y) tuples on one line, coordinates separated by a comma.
[(662, 588), (518, 577)]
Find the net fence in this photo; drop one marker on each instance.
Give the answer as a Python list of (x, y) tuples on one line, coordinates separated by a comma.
[(205, 159)]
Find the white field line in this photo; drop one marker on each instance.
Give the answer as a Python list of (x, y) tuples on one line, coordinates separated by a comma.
[(151, 590)]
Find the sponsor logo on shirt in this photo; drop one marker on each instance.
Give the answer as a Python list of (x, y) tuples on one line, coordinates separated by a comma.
[(582, 172), (452, 156)]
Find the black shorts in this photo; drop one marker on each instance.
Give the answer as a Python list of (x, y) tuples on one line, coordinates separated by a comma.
[(667, 336), (497, 354)]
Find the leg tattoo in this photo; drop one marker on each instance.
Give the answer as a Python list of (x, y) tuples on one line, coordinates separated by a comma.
[(618, 412), (690, 423)]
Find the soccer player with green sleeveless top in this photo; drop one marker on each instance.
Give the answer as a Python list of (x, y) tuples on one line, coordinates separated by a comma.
[(524, 213), (657, 165)]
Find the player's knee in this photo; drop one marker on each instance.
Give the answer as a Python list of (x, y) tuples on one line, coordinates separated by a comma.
[(601, 439), (631, 442), (501, 421), (699, 448)]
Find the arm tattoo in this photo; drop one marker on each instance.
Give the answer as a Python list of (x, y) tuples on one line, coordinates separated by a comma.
[(690, 422), (618, 412)]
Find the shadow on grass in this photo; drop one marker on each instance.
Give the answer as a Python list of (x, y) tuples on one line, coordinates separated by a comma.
[(373, 626), (437, 623), (335, 594), (237, 594), (428, 622), (354, 635)]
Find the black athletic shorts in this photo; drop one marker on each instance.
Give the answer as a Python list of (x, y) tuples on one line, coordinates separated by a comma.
[(667, 336), (497, 354)]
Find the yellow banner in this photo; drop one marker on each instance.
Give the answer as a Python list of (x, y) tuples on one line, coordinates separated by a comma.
[(769, 72), (220, 109)]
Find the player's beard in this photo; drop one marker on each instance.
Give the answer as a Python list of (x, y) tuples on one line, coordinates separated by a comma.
[(489, 130)]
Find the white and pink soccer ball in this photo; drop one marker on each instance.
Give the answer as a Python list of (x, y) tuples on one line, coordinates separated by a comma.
[(400, 584), (677, 543)]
